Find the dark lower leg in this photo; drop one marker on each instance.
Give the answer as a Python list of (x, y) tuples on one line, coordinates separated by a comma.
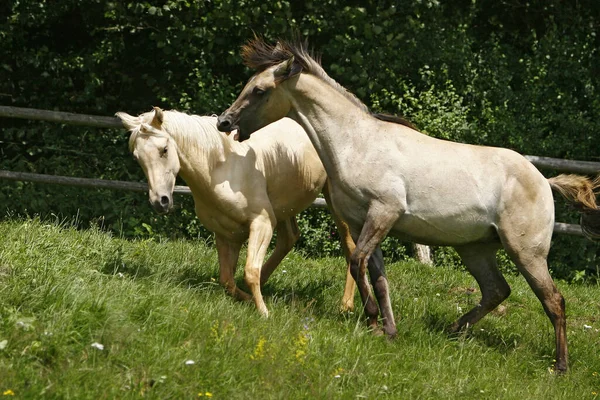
[(381, 289), (370, 306), (555, 310), (378, 223), (480, 260)]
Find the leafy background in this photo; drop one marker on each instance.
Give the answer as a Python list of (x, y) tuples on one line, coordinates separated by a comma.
[(503, 73)]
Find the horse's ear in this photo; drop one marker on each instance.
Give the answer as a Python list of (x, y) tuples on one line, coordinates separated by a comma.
[(130, 122), (158, 117), (287, 69)]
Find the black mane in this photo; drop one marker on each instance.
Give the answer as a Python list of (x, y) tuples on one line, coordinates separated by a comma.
[(259, 55), (394, 119)]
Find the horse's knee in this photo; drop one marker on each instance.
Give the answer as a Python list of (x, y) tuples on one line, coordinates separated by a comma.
[(354, 268), (555, 307), (252, 276)]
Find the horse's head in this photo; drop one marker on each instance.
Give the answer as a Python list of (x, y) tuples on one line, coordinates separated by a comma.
[(156, 152), (263, 100)]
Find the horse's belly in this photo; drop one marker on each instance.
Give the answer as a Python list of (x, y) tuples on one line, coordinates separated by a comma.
[(290, 192), (290, 200), (445, 231), (450, 229), (284, 209)]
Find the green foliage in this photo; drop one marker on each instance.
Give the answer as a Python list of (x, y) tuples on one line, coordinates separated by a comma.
[(155, 305), (523, 76)]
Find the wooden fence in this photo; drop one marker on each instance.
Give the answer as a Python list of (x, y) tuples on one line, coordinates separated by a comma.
[(580, 167)]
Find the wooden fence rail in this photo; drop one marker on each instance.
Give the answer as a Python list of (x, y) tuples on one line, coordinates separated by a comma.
[(61, 117), (581, 167)]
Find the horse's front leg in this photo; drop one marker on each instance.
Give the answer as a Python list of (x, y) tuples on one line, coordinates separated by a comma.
[(261, 232), (229, 253), (368, 254)]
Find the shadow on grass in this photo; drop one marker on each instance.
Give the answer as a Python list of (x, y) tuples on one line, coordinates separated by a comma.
[(313, 297), (189, 275), (116, 264), (481, 333), (313, 294)]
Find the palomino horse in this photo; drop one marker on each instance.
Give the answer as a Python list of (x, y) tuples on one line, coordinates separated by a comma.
[(388, 178), (242, 191)]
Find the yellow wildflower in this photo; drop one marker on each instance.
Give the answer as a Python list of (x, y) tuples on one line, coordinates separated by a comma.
[(220, 330), (207, 394), (259, 350), (8, 393), (301, 346)]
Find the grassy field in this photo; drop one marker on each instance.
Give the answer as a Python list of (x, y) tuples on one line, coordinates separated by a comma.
[(84, 315)]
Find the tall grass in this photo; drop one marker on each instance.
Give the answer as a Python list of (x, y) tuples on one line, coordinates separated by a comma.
[(85, 315)]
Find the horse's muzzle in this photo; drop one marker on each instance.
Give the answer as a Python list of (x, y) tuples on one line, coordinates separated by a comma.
[(225, 123), (163, 204)]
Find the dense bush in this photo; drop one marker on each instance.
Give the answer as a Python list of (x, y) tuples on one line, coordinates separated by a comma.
[(511, 74)]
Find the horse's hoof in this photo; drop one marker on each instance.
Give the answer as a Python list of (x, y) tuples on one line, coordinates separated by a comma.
[(559, 369), (392, 334), (346, 307), (455, 328), (377, 331)]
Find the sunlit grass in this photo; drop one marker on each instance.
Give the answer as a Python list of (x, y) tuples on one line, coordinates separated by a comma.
[(86, 315)]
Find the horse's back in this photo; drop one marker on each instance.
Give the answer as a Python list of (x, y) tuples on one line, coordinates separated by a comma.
[(292, 169), (453, 193)]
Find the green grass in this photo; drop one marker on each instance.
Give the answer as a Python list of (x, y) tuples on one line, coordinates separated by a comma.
[(153, 306)]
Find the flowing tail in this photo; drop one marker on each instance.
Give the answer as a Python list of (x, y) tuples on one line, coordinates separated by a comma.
[(581, 193)]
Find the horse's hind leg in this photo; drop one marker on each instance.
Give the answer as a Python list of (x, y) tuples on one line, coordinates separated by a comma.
[(287, 235), (530, 259), (480, 260), (229, 253), (348, 247)]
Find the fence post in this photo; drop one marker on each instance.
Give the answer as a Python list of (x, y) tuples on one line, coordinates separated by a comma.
[(422, 253)]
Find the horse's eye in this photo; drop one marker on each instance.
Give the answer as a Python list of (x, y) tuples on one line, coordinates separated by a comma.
[(258, 91), (164, 152)]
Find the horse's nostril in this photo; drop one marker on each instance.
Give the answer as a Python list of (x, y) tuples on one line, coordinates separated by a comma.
[(164, 200), (223, 123)]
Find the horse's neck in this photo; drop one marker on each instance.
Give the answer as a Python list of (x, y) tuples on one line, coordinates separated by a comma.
[(333, 122), (200, 147)]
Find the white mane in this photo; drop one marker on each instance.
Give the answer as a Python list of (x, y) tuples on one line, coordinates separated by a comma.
[(192, 132)]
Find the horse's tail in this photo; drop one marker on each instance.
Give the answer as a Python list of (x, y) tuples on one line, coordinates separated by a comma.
[(581, 193)]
